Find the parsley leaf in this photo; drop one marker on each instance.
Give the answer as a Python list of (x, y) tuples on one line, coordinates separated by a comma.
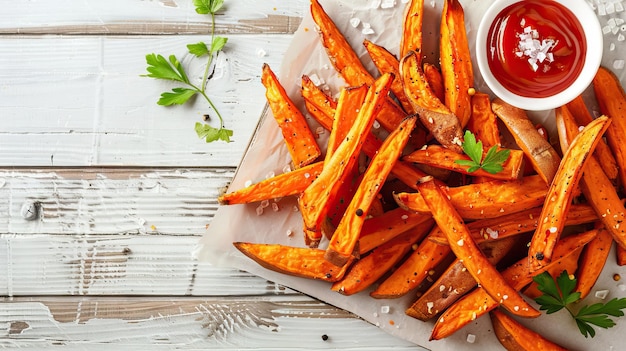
[(493, 161), (205, 7), (212, 134), (560, 294), (171, 69), (178, 96), (199, 49)]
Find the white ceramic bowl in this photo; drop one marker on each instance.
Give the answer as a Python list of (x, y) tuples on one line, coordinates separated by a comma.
[(592, 32)]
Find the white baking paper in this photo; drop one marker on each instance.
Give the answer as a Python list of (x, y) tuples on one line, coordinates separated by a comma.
[(267, 156)]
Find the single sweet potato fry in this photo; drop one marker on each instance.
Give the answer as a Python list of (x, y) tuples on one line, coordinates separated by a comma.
[(467, 251), (378, 230), (347, 63), (483, 122), (592, 260), (456, 61), (454, 282), (518, 223), (343, 242), (434, 115), (411, 39), (413, 270), (367, 270), (348, 105), (441, 157), (297, 261), (478, 302), (286, 184), (595, 184), (603, 152), (318, 103), (299, 139), (386, 62), (612, 102), (315, 197), (559, 197), (486, 200), (433, 76), (515, 337), (543, 157)]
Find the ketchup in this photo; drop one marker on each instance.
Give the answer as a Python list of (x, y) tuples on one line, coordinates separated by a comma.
[(550, 61)]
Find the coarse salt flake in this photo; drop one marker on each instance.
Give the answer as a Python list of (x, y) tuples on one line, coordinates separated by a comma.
[(354, 22), (553, 230), (384, 309), (430, 306), (316, 80), (492, 233), (387, 4), (471, 338), (602, 294), (460, 242), (405, 217), (247, 183)]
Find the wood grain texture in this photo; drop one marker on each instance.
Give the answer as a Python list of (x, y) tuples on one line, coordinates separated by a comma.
[(189, 324), (84, 102), (77, 17)]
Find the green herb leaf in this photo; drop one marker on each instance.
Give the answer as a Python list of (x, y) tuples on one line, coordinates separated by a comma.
[(199, 49), (559, 294), (204, 7), (160, 68), (218, 44), (211, 134), (493, 160), (178, 96)]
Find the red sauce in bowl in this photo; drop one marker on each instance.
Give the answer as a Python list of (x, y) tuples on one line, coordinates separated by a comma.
[(536, 48)]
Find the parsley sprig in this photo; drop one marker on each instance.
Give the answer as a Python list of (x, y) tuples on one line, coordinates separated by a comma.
[(171, 69), (559, 294), (493, 161)]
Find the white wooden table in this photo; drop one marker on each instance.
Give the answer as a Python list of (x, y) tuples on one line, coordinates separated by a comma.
[(126, 189)]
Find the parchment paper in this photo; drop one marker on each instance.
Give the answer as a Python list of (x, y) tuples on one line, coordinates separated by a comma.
[(267, 156)]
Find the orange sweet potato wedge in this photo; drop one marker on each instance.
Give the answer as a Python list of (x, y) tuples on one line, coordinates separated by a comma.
[(517, 223), (348, 105), (544, 159), (378, 230), (386, 62), (515, 337), (343, 242), (347, 63), (559, 197), (483, 122), (433, 76), (316, 196), (467, 251), (440, 157), (455, 61), (612, 102), (486, 200), (595, 183), (300, 141), (434, 115), (412, 37), (454, 282), (282, 185), (367, 270), (412, 272), (592, 260), (603, 152), (320, 105), (478, 302), (296, 261)]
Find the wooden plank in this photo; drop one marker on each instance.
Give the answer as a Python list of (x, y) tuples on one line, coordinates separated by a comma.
[(72, 17), (83, 102), (93, 201), (293, 322), (155, 265)]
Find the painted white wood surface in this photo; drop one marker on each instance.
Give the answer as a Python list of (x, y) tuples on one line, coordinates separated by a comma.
[(108, 263)]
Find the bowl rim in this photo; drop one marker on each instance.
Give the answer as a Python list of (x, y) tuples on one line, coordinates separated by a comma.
[(593, 57)]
